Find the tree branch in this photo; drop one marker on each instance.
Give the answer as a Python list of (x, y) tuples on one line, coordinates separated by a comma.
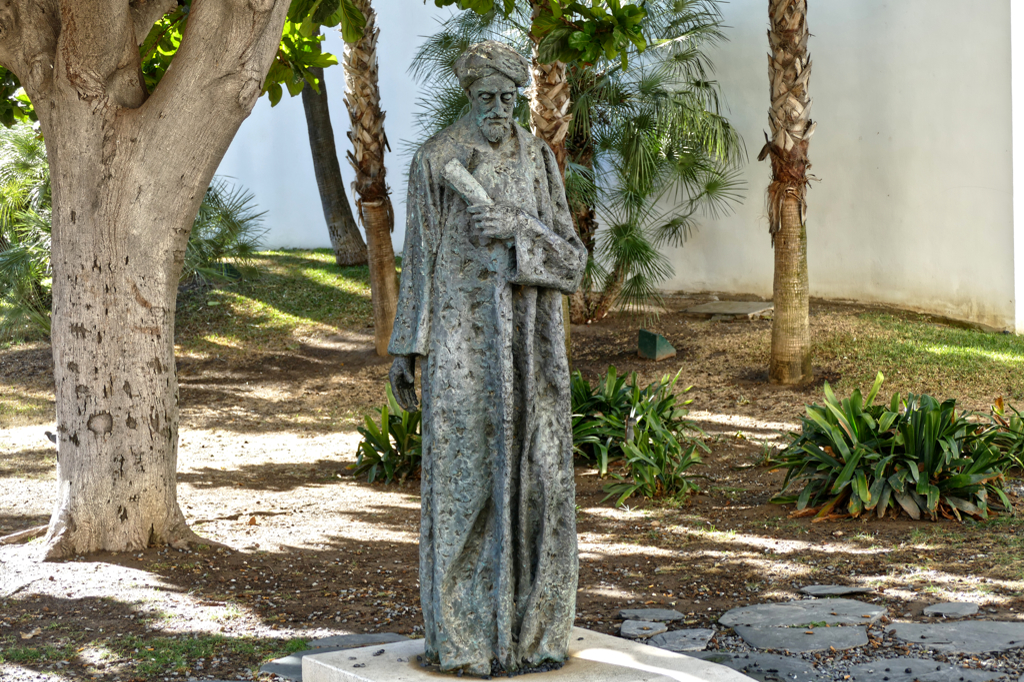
[(28, 44), (97, 55), (218, 74)]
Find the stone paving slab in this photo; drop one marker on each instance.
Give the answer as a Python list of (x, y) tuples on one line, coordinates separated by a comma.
[(653, 615), (833, 590), (290, 667), (593, 657), (788, 614), (765, 667), (968, 637), (732, 309), (641, 629), (952, 609), (802, 640), (681, 641), (918, 670), (353, 641)]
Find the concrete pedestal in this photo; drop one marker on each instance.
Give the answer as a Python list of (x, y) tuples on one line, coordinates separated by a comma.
[(593, 657)]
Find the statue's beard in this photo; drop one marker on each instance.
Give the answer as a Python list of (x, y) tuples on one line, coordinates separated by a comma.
[(496, 128)]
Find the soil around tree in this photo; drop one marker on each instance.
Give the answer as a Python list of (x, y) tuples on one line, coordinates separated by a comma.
[(309, 550)]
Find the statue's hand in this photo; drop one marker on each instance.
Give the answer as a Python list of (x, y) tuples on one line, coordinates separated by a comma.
[(497, 221), (402, 376)]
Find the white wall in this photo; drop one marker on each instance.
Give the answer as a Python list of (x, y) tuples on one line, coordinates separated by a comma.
[(913, 149), (1017, 39), (270, 154)]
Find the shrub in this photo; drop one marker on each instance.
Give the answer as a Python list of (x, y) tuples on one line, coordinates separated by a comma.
[(392, 450), (643, 430), (916, 454), (1008, 435)]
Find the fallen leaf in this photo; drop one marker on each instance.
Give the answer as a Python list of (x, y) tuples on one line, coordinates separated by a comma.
[(30, 635)]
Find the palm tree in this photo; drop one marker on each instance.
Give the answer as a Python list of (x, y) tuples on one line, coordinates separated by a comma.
[(362, 97), (630, 138), (347, 243), (789, 70), (549, 99)]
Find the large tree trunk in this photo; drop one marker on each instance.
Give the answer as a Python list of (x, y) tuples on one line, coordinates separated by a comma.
[(362, 97), (789, 67), (128, 173), (349, 247)]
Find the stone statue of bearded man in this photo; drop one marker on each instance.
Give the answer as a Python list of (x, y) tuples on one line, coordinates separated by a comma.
[(489, 250)]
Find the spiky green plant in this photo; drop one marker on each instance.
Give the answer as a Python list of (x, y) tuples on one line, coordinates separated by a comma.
[(25, 275), (915, 454), (649, 149), (226, 233)]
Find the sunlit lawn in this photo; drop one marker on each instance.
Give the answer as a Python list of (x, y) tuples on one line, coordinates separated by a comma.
[(298, 294), (917, 355)]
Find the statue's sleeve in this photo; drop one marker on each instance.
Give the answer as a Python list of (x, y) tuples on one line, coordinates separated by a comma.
[(552, 255), (411, 334)]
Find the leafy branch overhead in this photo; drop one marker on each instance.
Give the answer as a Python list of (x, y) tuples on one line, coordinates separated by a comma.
[(570, 31), (298, 52)]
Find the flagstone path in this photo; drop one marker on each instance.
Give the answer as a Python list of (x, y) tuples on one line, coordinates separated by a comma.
[(813, 640)]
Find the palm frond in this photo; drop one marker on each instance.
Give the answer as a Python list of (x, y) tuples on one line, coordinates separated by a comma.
[(639, 138)]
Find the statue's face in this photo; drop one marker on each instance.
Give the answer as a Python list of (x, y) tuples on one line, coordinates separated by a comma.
[(493, 99)]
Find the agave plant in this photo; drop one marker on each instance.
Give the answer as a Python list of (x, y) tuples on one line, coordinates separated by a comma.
[(915, 454), (390, 451), (639, 436), (640, 139)]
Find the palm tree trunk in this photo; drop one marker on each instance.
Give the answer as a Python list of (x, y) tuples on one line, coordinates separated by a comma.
[(362, 97), (606, 298), (549, 106), (789, 67), (347, 243), (549, 120)]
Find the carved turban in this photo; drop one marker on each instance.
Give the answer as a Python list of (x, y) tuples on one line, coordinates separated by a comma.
[(489, 58)]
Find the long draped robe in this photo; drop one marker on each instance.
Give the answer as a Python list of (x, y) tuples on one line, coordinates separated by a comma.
[(498, 558)]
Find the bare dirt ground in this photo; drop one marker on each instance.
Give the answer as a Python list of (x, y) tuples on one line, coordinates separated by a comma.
[(265, 442)]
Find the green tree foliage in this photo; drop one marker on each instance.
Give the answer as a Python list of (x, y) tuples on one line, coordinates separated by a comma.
[(569, 31), (650, 150), (225, 234)]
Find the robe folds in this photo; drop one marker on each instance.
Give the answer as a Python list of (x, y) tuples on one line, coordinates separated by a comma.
[(498, 557)]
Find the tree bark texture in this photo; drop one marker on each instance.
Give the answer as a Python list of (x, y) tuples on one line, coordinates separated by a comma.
[(128, 170), (790, 361), (362, 97), (549, 120), (789, 70), (348, 245), (549, 106)]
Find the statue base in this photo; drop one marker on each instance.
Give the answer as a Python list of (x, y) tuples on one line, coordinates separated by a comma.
[(593, 657)]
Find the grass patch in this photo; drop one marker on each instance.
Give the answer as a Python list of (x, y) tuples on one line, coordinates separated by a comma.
[(298, 294), (918, 355), (46, 653), (163, 655), (23, 406)]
